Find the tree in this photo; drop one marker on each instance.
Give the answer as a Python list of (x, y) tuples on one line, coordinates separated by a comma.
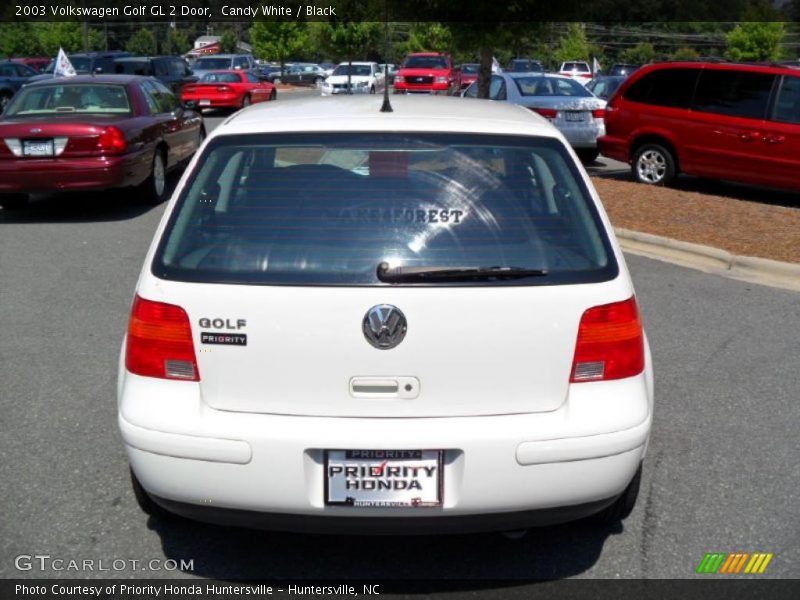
[(573, 45), (429, 37), (176, 42), (685, 53), (142, 42), (64, 34), (228, 42), (278, 40), (754, 41), (18, 39), (641, 54)]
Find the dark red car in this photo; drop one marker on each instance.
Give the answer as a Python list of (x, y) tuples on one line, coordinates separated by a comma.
[(428, 73), (94, 133), (37, 63), (737, 122), (469, 74), (228, 89)]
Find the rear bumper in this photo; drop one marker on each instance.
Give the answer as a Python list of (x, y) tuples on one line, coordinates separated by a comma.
[(613, 147), (500, 472), (222, 101), (435, 89), (73, 174), (584, 136)]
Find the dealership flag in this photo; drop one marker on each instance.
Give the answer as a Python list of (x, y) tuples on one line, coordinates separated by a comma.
[(64, 68), (596, 67), (496, 66)]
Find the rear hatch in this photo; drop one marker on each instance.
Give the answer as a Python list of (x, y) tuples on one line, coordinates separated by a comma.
[(274, 252)]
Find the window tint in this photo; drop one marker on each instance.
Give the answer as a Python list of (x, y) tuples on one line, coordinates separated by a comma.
[(550, 86), (165, 101), (66, 98), (133, 67), (241, 62), (161, 68), (497, 89), (666, 87), (251, 78), (733, 93), (326, 209), (787, 107), (176, 68)]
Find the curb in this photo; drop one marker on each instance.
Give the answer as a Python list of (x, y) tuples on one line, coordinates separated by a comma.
[(762, 271)]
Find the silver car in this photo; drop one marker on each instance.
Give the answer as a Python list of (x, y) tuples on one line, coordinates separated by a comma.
[(568, 105)]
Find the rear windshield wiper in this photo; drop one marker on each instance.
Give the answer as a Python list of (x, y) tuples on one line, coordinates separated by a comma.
[(394, 274)]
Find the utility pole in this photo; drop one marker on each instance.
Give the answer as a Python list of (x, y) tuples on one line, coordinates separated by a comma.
[(85, 35)]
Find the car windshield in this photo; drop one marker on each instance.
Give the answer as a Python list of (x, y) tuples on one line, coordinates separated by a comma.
[(356, 70), (221, 78), (328, 209), (524, 66), (426, 62), (133, 67), (550, 86), (70, 98), (469, 69), (205, 64)]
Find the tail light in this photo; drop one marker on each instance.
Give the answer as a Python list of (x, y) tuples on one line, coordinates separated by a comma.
[(112, 141), (160, 342), (399, 79), (610, 343), (223, 88), (550, 113), (599, 113)]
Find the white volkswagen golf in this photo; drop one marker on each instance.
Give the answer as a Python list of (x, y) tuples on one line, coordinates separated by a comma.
[(361, 321)]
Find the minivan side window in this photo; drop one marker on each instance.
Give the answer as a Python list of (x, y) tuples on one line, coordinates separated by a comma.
[(665, 87), (787, 107), (734, 93)]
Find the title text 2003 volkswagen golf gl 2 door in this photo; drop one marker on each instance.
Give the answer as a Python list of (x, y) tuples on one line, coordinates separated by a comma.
[(414, 321)]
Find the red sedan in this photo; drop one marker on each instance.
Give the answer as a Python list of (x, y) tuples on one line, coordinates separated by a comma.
[(94, 133), (228, 89)]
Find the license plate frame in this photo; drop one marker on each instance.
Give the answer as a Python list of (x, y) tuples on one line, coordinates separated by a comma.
[(574, 116), (431, 490), (38, 148)]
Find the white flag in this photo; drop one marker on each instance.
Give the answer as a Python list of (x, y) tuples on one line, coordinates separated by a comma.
[(64, 68), (496, 66), (596, 67)]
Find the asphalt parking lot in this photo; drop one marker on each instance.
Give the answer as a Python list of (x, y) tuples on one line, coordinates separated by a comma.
[(721, 474)]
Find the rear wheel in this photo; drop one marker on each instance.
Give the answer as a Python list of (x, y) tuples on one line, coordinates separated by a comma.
[(273, 95), (623, 506), (372, 89), (654, 164), (13, 201), (154, 190), (246, 101), (588, 155)]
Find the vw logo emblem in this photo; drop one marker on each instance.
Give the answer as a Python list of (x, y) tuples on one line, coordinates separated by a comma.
[(384, 326)]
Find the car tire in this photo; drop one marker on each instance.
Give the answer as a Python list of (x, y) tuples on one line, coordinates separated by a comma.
[(654, 164), (273, 95), (146, 503), (5, 98), (154, 189), (246, 101), (588, 155), (372, 89), (13, 201), (622, 506)]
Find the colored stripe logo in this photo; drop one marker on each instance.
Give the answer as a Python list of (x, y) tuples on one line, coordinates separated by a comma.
[(734, 563)]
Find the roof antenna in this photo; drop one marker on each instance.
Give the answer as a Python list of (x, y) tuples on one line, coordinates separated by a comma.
[(387, 106)]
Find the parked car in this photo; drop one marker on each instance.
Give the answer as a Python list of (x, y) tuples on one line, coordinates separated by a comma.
[(605, 86), (301, 73), (172, 71), (469, 74), (328, 68), (428, 73), (392, 71), (364, 77), (94, 132), (37, 63), (12, 77), (85, 63), (228, 89), (325, 313), (270, 73), (524, 65), (568, 105), (622, 69), (738, 122), (577, 70), (223, 62)]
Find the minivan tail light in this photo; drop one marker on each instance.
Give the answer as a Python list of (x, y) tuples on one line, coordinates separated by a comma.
[(160, 342), (610, 343), (550, 113), (112, 141)]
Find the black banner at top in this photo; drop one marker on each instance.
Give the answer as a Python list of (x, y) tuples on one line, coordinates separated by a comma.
[(480, 12)]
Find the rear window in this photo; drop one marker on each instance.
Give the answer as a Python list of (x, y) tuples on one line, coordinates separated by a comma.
[(550, 86), (65, 98), (576, 66), (327, 209), (212, 63), (221, 78)]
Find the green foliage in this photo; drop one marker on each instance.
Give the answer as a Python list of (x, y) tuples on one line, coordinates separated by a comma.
[(755, 41), (573, 45), (641, 54), (349, 40), (278, 40), (429, 37), (228, 42), (64, 34), (176, 42), (685, 53), (18, 39), (142, 42)]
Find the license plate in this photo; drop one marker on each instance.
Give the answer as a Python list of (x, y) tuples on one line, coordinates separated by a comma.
[(573, 116), (383, 478), (204, 103), (37, 148)]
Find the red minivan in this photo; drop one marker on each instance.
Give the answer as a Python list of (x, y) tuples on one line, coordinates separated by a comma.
[(737, 122)]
